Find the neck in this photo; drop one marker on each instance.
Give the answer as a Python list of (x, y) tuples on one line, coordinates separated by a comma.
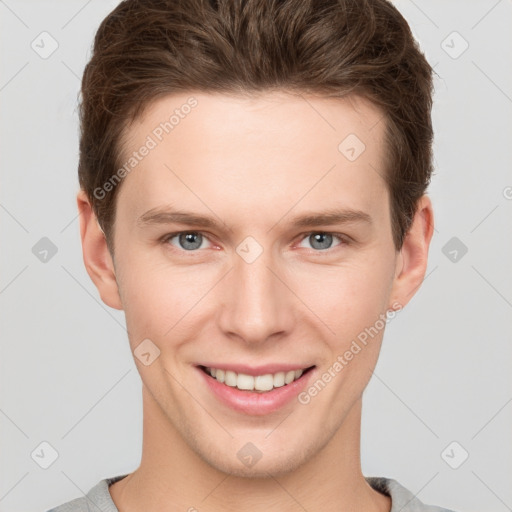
[(173, 477)]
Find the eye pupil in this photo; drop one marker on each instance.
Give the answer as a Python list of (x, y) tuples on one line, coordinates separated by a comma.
[(188, 238), (323, 239)]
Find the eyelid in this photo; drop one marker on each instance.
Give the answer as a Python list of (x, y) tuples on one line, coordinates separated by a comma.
[(344, 239), (169, 236)]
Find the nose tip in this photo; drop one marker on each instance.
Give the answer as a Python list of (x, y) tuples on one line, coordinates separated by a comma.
[(256, 302)]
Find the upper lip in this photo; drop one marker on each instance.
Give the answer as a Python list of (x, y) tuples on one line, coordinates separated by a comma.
[(257, 370)]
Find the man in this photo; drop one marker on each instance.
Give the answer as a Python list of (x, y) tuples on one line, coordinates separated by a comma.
[(253, 179)]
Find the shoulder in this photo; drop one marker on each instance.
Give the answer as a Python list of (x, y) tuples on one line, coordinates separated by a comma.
[(401, 498), (98, 497)]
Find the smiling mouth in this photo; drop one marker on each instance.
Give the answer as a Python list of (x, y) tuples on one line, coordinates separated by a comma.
[(258, 383)]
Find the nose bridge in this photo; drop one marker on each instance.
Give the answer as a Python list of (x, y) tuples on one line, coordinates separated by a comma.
[(256, 301)]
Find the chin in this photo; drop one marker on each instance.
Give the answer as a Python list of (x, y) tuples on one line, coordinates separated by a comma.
[(273, 463), (260, 470)]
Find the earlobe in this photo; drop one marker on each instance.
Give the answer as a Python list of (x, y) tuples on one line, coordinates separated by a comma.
[(413, 258), (97, 258)]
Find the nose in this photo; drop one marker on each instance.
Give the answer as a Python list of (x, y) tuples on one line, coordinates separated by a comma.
[(257, 303)]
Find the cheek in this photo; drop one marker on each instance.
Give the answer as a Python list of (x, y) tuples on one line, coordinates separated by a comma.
[(160, 299), (346, 298)]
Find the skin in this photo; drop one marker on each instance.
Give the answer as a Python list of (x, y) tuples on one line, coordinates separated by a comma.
[(253, 165)]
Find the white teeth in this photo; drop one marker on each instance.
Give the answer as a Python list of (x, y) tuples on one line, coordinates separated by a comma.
[(278, 379), (230, 379), (260, 383), (245, 382), (289, 377), (264, 382)]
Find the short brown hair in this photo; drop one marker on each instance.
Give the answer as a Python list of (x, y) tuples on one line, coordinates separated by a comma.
[(146, 49)]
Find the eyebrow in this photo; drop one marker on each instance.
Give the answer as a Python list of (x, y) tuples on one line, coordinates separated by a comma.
[(167, 215)]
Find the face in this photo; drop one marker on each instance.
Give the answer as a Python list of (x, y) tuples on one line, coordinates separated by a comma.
[(292, 262)]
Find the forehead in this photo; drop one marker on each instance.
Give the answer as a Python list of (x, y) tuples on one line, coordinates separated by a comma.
[(259, 111), (271, 149)]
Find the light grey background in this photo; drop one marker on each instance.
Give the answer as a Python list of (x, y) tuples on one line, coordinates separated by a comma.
[(67, 374)]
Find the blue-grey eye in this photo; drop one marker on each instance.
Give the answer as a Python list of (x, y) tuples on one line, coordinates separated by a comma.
[(189, 240), (321, 241)]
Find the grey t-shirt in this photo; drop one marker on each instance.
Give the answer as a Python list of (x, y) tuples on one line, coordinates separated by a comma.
[(98, 499)]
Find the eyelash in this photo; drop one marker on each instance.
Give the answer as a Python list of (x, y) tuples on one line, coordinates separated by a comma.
[(344, 239)]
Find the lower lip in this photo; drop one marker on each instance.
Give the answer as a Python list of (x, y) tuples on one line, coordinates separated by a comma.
[(254, 403)]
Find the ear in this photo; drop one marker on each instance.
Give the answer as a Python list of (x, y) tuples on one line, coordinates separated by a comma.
[(97, 259), (412, 261)]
